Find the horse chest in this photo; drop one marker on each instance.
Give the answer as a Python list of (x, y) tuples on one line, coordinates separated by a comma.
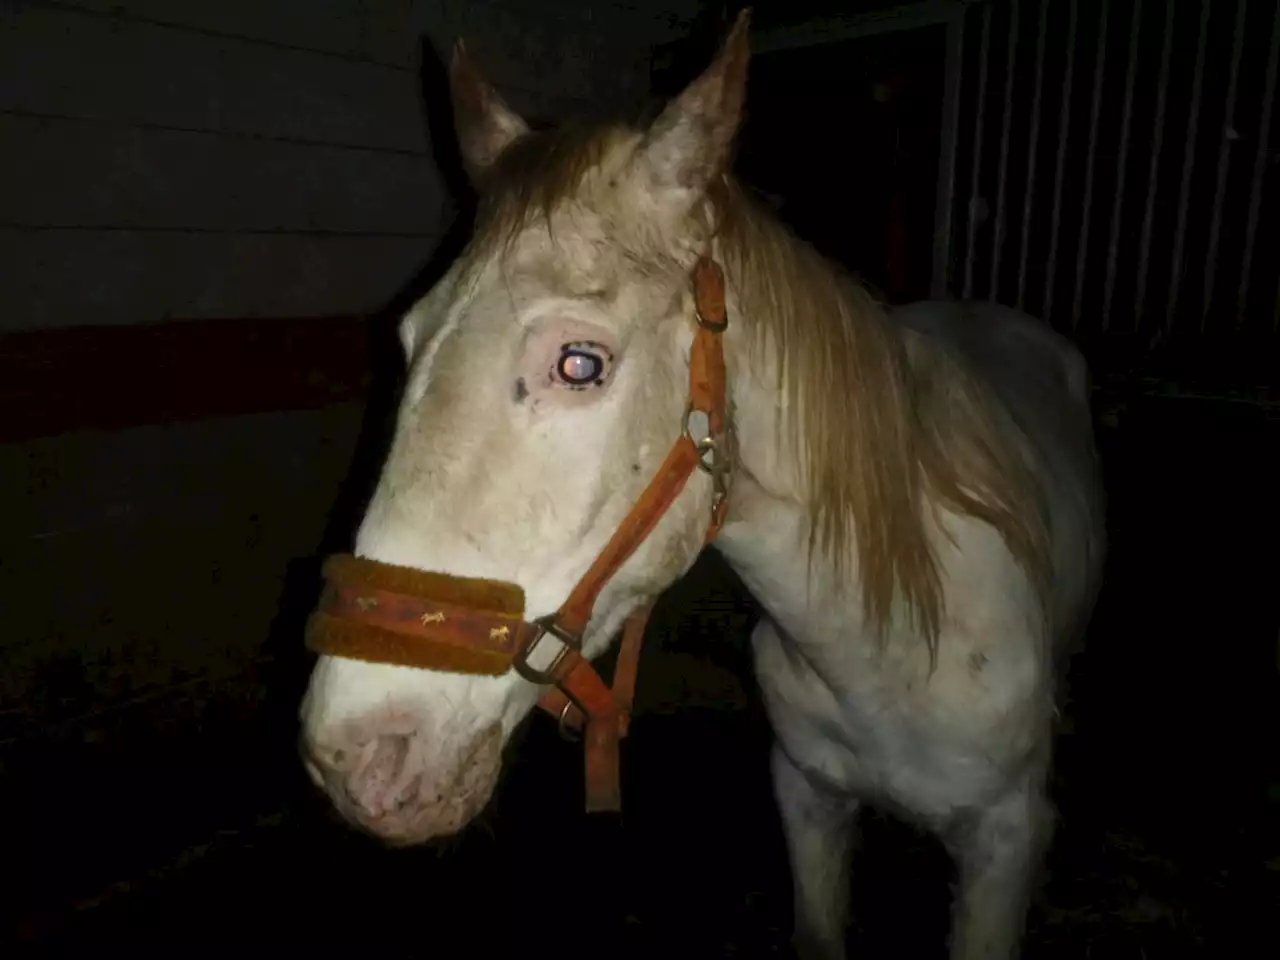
[(873, 737)]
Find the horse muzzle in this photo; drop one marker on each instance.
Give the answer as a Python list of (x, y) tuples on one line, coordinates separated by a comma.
[(399, 786)]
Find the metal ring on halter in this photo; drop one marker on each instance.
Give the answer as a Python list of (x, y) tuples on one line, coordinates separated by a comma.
[(712, 458), (567, 732), (713, 326), (704, 445)]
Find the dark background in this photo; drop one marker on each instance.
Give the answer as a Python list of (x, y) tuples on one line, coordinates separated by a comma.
[(172, 483)]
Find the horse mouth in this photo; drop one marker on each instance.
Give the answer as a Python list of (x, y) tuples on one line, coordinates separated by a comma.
[(427, 803)]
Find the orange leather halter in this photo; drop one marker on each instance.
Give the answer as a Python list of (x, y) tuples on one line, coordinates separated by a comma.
[(377, 612)]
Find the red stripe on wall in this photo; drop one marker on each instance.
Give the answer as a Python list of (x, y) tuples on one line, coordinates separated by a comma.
[(55, 381)]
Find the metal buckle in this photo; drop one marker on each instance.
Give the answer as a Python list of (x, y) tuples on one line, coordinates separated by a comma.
[(547, 675)]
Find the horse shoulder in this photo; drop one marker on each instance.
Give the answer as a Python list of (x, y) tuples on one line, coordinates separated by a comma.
[(991, 675)]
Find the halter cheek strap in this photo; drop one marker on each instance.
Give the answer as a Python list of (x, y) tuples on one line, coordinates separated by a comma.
[(385, 614)]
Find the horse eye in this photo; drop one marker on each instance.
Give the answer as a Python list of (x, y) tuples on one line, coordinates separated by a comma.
[(578, 367)]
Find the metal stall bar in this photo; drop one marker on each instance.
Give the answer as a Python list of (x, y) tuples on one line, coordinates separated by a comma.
[(910, 16), (944, 201), (980, 106), (1144, 249), (1095, 109), (1259, 170), (1224, 153), (1188, 167), (1011, 62), (1064, 124), (1275, 316), (1028, 198), (1126, 123)]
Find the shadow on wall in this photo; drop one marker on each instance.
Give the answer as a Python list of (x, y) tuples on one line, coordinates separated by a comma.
[(289, 659)]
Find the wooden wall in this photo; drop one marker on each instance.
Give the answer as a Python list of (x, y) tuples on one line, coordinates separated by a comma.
[(183, 186), (252, 158)]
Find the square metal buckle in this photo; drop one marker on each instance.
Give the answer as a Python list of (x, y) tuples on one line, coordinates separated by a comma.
[(546, 675)]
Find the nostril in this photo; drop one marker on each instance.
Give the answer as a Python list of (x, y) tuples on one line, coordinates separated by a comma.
[(386, 775), (325, 758)]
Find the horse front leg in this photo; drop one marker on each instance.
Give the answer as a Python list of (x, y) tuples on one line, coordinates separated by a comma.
[(998, 850), (820, 825)]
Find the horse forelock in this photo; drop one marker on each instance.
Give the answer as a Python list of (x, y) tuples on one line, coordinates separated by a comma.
[(541, 174)]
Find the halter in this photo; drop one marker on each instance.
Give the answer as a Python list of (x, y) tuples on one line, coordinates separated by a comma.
[(386, 614)]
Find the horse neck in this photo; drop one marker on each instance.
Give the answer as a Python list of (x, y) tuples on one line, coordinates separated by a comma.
[(766, 537)]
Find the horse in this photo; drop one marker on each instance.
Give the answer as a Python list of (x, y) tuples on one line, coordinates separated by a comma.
[(914, 501)]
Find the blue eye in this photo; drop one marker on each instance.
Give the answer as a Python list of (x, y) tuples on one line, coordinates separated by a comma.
[(578, 367)]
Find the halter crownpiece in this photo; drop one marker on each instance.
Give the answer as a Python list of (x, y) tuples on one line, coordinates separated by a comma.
[(381, 613)]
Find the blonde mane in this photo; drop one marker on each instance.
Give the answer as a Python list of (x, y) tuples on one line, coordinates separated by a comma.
[(909, 427), (908, 424)]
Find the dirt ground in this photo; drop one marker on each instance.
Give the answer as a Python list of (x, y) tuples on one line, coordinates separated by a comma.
[(1168, 782)]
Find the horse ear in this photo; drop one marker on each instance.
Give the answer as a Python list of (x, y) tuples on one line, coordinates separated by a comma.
[(485, 125), (690, 142)]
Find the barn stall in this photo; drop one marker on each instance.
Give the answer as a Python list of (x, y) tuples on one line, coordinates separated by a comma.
[(212, 212)]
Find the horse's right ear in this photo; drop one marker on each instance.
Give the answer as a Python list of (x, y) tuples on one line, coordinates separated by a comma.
[(690, 142), (485, 125)]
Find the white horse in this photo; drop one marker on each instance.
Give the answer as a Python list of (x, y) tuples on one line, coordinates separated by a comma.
[(916, 502)]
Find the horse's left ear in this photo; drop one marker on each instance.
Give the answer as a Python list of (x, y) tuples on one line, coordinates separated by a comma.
[(691, 141), (486, 126)]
